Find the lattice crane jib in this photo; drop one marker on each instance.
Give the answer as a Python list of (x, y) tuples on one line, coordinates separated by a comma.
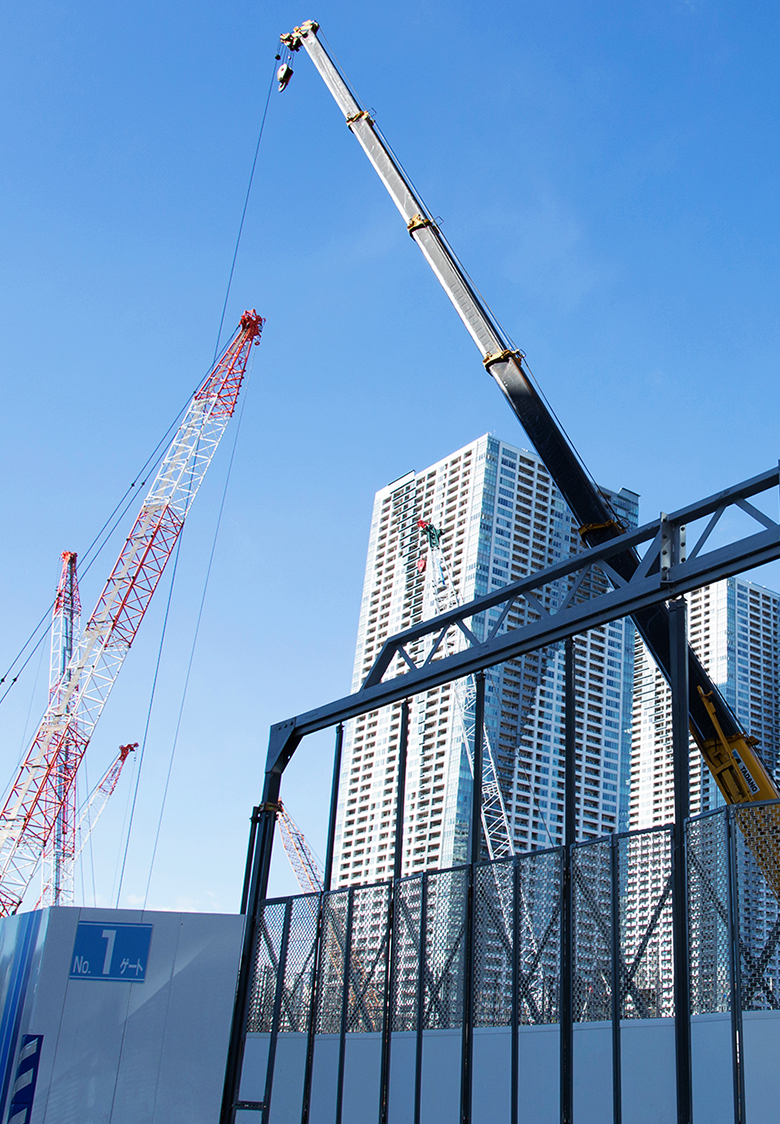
[(302, 860), (58, 793), (27, 820), (444, 595)]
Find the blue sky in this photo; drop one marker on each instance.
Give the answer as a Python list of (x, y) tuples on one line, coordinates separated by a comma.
[(609, 177)]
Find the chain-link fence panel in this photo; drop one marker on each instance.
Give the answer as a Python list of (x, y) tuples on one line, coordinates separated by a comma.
[(265, 973), (645, 967), (368, 958), (330, 972), (407, 925), (709, 928), (299, 965), (445, 943), (592, 909), (493, 943), (539, 928), (757, 844)]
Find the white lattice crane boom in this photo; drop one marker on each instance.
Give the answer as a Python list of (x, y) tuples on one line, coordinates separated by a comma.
[(26, 820), (495, 825), (305, 866)]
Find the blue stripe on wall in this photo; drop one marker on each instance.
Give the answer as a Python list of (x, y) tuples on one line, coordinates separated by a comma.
[(26, 937)]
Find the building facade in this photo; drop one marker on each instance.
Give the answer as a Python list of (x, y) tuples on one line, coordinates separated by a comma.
[(733, 628), (501, 518)]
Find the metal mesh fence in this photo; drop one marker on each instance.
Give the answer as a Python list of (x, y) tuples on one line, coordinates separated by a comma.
[(332, 962), (757, 863), (265, 977), (592, 907), (644, 885), (416, 973), (494, 910), (708, 914), (444, 953), (369, 949), (407, 923), (299, 964), (539, 925)]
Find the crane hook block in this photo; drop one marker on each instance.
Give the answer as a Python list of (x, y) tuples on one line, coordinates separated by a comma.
[(283, 75), (293, 38)]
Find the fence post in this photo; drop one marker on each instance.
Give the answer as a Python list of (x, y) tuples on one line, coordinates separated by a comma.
[(615, 955), (334, 800), (567, 916), (735, 972), (678, 643)]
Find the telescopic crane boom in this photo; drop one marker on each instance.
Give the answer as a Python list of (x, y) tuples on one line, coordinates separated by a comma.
[(727, 749)]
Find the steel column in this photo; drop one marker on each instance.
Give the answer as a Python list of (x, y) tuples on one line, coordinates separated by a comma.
[(260, 860), (617, 1083), (250, 854), (347, 955), (567, 904), (420, 998), (309, 1066), (735, 972), (387, 1026), (475, 846), (678, 666), (334, 800), (269, 1072), (400, 797), (515, 991)]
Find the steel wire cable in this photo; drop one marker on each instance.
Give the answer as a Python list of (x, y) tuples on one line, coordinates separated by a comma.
[(192, 649), (149, 715)]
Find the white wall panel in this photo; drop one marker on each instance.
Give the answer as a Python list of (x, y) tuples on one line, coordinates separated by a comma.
[(115, 1051), (441, 1066), (712, 1070), (362, 1076), (538, 1075), (324, 1079), (762, 1066), (492, 1080), (289, 1071), (252, 1087), (648, 1071), (592, 1072), (403, 1046)]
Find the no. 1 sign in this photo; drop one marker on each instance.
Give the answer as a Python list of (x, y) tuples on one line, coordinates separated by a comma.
[(110, 951)]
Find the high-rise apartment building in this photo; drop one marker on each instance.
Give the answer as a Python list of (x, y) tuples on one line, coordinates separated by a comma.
[(501, 518), (733, 628)]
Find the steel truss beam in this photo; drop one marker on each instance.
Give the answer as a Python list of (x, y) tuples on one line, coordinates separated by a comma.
[(660, 576)]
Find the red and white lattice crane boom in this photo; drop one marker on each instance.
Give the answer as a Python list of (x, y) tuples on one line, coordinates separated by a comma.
[(92, 809), (58, 794), (26, 819), (305, 866)]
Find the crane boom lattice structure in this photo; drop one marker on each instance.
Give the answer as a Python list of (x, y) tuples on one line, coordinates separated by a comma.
[(495, 825), (305, 866), (58, 793), (27, 820)]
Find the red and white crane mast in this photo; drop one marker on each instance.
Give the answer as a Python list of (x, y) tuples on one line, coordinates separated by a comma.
[(27, 820), (58, 792)]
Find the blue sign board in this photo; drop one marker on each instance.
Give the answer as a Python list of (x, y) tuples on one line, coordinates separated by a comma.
[(108, 950)]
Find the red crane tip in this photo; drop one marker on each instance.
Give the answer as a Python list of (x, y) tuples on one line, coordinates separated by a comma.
[(252, 324)]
